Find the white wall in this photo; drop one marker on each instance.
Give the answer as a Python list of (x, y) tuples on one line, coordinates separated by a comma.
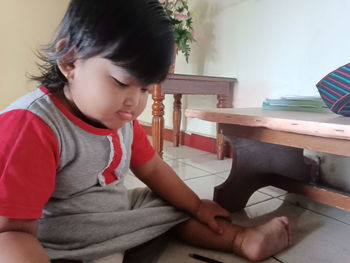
[(273, 48)]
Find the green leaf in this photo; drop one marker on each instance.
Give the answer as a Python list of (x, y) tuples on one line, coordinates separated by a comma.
[(182, 29)]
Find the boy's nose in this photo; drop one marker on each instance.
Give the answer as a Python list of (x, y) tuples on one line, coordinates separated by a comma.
[(132, 97)]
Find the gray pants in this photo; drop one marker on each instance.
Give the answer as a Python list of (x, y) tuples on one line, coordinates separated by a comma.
[(90, 236)]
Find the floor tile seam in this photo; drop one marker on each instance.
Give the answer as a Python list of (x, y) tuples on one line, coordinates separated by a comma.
[(259, 202), (197, 177), (205, 173), (270, 194), (204, 162), (177, 158), (196, 155), (277, 259), (223, 177), (195, 167), (190, 155), (200, 154), (187, 151), (211, 172), (316, 212)]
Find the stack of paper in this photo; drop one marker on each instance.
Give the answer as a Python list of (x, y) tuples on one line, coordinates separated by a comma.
[(296, 103)]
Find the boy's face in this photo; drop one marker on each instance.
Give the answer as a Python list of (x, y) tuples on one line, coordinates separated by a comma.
[(105, 94)]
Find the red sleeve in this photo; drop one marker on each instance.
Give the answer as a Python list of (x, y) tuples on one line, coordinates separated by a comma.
[(142, 150), (29, 155)]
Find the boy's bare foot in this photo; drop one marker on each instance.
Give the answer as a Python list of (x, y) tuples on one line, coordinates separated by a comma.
[(259, 242)]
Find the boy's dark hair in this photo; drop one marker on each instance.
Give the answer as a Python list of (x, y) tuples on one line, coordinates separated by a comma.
[(134, 34)]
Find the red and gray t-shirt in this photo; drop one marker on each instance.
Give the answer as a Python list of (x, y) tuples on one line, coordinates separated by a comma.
[(48, 154), (68, 174)]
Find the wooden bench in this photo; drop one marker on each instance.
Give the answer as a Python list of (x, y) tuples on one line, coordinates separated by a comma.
[(268, 150)]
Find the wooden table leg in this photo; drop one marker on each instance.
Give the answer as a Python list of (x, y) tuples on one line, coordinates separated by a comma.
[(220, 143), (220, 139), (176, 119), (157, 119), (255, 165)]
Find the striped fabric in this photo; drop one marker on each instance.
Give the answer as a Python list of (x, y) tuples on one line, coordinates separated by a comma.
[(335, 90)]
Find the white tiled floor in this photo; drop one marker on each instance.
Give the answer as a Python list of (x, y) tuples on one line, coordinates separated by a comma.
[(321, 234)]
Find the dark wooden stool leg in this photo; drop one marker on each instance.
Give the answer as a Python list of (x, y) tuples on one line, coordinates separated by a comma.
[(255, 165)]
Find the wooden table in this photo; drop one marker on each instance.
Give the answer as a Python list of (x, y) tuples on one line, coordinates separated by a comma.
[(179, 84), (268, 150)]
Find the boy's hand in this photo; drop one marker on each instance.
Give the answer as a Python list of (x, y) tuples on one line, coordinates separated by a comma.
[(208, 211)]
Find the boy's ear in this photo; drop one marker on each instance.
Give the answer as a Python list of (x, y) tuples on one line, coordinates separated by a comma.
[(65, 64)]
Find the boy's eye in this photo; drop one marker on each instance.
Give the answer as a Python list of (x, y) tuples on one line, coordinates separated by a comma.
[(144, 90), (120, 84)]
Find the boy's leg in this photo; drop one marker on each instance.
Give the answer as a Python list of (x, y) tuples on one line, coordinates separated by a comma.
[(254, 243)]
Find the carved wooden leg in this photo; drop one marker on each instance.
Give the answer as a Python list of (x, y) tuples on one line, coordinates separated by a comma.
[(157, 119), (220, 143), (176, 119), (220, 140), (255, 165)]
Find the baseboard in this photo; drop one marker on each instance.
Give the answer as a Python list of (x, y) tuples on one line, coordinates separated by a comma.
[(196, 141)]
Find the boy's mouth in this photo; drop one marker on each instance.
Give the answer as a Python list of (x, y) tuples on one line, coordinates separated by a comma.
[(125, 115)]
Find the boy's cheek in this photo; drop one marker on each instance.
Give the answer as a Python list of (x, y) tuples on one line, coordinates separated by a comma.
[(144, 104)]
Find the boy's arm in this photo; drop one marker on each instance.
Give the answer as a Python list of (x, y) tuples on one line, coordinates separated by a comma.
[(162, 179), (18, 242)]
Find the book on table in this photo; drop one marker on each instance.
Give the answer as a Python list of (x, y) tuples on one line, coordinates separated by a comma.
[(296, 103)]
